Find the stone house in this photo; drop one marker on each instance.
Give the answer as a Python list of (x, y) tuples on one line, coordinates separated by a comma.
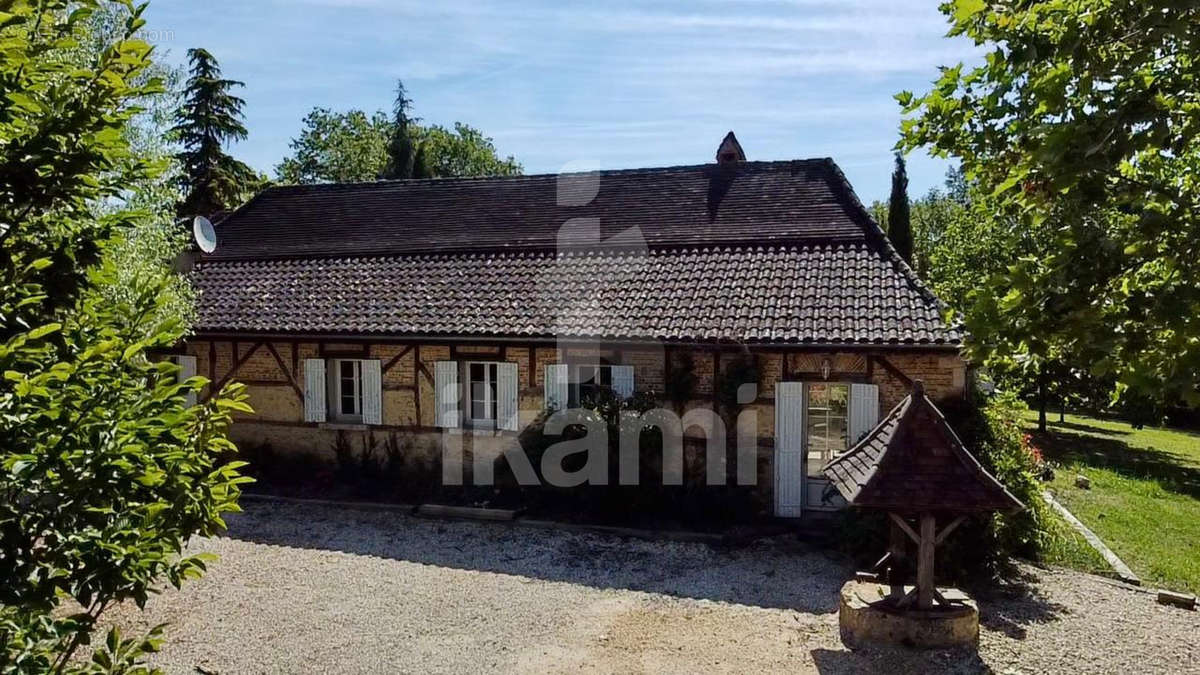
[(426, 308)]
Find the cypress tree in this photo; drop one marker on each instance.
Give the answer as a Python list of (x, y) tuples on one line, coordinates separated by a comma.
[(210, 116), (899, 226)]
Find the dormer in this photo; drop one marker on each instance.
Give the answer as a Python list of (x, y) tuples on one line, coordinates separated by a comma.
[(730, 151)]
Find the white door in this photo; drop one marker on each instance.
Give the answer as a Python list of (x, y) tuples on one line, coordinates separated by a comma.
[(789, 449)]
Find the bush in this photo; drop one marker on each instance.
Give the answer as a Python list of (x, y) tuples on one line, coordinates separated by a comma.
[(650, 503), (992, 431)]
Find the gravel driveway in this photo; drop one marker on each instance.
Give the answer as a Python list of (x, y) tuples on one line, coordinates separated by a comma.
[(316, 589)]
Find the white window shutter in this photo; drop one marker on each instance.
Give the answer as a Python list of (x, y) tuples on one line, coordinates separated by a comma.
[(187, 369), (314, 390), (372, 391), (506, 396), (446, 393), (864, 410), (791, 467), (556, 386), (622, 381)]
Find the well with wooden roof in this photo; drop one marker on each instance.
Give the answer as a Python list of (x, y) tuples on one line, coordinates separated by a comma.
[(913, 466)]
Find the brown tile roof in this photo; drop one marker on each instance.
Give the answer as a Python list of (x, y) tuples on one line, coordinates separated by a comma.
[(757, 203), (913, 461), (834, 293), (767, 251)]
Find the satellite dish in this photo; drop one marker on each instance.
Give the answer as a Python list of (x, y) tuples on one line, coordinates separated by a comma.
[(205, 234)]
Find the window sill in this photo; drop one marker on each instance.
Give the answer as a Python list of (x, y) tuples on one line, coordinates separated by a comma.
[(343, 426)]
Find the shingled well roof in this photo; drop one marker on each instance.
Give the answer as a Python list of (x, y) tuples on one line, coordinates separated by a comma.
[(912, 461), (757, 251)]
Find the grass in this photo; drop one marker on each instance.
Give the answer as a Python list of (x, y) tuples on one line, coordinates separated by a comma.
[(1144, 501)]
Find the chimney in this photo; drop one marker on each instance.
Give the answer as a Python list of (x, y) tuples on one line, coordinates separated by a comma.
[(730, 151)]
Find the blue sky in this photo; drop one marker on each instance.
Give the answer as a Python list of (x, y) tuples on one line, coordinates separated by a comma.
[(618, 84)]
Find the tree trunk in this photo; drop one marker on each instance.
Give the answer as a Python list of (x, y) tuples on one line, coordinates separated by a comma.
[(1042, 398)]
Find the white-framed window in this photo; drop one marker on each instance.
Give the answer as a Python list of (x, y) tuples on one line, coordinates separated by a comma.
[(827, 420), (347, 390), (567, 385), (588, 381), (482, 392)]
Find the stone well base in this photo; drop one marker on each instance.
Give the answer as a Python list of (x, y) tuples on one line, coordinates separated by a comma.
[(868, 616)]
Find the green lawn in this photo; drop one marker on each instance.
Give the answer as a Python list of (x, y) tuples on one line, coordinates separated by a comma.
[(1145, 496)]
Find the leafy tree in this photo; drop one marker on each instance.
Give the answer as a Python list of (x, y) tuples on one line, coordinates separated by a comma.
[(150, 247), (210, 117), (1082, 127), (899, 227), (463, 151), (354, 147), (337, 148), (104, 473), (879, 211)]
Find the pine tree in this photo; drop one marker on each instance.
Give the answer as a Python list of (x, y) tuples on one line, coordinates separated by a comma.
[(402, 152), (210, 116), (899, 227)]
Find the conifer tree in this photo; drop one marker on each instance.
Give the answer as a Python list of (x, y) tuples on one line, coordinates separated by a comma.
[(402, 152), (899, 227), (211, 116)]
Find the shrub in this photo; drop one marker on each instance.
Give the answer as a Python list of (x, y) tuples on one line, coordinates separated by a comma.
[(649, 503), (105, 472)]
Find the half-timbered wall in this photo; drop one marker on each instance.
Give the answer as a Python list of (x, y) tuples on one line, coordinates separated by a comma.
[(273, 373)]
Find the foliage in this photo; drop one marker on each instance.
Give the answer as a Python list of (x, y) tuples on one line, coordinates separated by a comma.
[(463, 151), (681, 378), (150, 245), (738, 371), (356, 147), (899, 226), (337, 148), (1081, 127), (649, 503), (104, 472), (211, 116)]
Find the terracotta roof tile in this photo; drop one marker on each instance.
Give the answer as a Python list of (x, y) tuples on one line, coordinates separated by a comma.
[(682, 295)]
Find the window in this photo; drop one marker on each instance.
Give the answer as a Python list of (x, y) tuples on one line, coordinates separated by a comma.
[(826, 424), (347, 390), (588, 381), (481, 383)]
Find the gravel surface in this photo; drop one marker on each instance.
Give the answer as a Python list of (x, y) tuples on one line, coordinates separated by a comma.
[(317, 589)]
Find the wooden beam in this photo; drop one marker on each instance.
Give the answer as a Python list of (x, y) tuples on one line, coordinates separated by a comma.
[(894, 371), (396, 359), (925, 559), (212, 366), (286, 373), (948, 529), (897, 552), (295, 356), (906, 528), (237, 364), (417, 383)]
